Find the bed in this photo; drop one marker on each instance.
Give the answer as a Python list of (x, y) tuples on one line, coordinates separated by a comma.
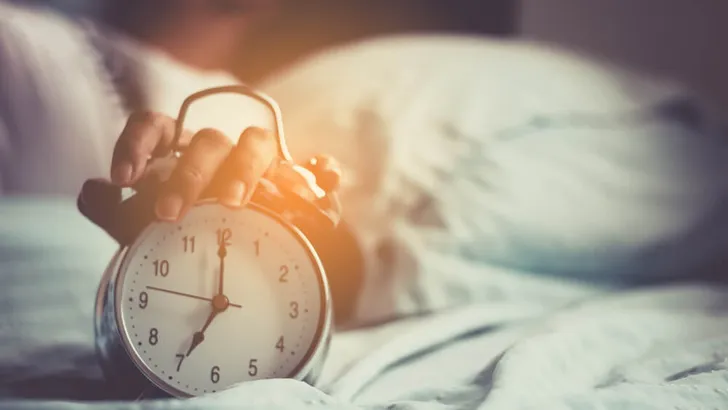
[(549, 229)]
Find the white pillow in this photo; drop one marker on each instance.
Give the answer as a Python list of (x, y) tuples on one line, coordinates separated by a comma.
[(494, 155)]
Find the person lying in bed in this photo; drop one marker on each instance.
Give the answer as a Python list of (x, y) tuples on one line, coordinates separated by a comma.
[(162, 53), (533, 165), (69, 83), (447, 212), (212, 165)]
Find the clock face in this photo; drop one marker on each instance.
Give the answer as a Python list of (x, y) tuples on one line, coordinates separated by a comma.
[(223, 296)]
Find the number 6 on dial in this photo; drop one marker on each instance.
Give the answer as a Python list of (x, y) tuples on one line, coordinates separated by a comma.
[(200, 305)]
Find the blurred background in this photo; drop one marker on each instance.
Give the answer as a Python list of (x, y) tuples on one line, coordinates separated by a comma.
[(685, 40), (678, 38), (300, 27)]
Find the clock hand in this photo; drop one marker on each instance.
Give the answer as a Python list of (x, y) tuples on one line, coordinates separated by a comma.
[(188, 295), (199, 336), (221, 253), (220, 303)]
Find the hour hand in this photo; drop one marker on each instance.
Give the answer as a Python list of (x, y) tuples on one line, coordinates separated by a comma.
[(197, 338)]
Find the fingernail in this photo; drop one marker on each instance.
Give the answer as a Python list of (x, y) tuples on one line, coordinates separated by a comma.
[(121, 175), (169, 207), (234, 194)]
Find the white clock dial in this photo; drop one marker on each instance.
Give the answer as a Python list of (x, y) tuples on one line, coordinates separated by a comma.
[(169, 284)]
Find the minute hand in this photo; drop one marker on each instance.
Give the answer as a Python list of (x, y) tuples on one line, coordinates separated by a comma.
[(187, 295), (221, 253)]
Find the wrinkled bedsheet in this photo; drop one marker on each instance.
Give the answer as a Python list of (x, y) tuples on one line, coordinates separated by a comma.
[(483, 174), (658, 348)]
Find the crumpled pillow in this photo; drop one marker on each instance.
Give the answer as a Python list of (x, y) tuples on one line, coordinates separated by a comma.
[(469, 157)]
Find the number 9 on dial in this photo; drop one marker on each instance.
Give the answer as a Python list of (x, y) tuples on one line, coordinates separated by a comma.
[(222, 297)]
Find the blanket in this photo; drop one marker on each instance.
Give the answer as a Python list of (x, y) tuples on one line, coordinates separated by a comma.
[(510, 196), (656, 348)]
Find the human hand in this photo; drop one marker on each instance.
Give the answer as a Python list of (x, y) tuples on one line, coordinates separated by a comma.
[(211, 166)]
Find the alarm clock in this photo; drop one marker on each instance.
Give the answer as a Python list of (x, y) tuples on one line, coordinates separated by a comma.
[(224, 296)]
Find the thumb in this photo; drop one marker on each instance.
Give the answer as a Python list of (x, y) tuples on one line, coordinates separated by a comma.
[(123, 219)]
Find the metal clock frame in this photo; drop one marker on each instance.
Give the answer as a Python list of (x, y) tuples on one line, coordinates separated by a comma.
[(264, 99), (121, 363)]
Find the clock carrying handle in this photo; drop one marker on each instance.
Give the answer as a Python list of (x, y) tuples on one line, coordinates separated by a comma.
[(178, 147), (124, 219), (102, 202)]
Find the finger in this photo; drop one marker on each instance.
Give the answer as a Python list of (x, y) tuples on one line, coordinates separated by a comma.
[(248, 162), (97, 197), (146, 133), (289, 177), (156, 172), (101, 202), (197, 167)]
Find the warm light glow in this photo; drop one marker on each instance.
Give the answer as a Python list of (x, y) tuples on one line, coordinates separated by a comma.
[(229, 113)]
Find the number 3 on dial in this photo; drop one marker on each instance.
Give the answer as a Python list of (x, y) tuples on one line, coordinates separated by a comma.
[(174, 273)]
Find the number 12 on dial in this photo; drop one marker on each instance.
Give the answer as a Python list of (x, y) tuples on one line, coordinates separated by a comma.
[(230, 298)]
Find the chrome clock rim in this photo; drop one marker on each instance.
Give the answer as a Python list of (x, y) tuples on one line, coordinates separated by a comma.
[(110, 291)]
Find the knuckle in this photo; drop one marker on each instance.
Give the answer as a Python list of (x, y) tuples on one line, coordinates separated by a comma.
[(145, 117), (256, 134), (252, 158), (191, 175), (212, 138), (136, 148), (258, 145), (242, 167)]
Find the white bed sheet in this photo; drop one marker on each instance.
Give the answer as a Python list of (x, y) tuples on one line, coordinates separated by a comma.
[(500, 345), (51, 260), (659, 348)]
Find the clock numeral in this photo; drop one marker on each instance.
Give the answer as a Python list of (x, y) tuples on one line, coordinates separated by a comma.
[(143, 300), (294, 310), (181, 358), (189, 244), (252, 367), (284, 274), (256, 243), (153, 336), (280, 345), (161, 268), (215, 374), (224, 236)]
